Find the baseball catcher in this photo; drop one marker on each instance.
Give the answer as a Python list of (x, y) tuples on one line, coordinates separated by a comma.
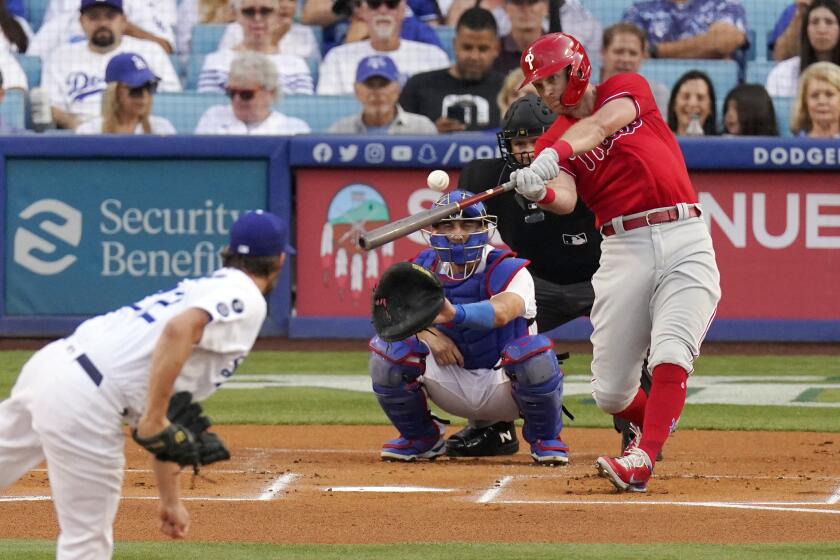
[(480, 359)]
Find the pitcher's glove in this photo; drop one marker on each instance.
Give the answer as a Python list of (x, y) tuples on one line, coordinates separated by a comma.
[(203, 447), (406, 301)]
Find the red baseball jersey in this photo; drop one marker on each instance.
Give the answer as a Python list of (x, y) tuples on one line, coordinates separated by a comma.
[(638, 168)]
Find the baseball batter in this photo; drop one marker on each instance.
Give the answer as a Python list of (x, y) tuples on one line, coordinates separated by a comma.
[(487, 320), (657, 286), (73, 396)]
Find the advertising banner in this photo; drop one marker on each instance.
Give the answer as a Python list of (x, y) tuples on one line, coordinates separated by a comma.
[(777, 238), (85, 236)]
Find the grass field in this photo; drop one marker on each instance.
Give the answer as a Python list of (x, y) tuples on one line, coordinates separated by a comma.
[(305, 405)]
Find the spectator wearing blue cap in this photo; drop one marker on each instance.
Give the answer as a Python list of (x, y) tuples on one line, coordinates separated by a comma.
[(377, 88), (127, 102)]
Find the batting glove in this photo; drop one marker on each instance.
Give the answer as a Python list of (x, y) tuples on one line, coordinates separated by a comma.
[(529, 184), (545, 165)]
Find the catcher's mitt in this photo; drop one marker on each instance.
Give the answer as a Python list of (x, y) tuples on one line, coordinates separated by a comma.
[(202, 448), (406, 301)]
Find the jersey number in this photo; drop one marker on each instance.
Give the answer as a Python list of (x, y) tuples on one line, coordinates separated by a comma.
[(163, 299)]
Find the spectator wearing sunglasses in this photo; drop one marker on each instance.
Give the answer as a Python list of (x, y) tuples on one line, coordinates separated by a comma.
[(74, 75), (290, 37), (378, 88), (463, 96), (383, 18), (260, 23), (127, 101), (252, 89)]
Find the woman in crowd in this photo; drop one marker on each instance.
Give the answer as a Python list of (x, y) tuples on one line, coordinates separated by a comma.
[(508, 93), (194, 12), (260, 23), (749, 111), (820, 42), (127, 102), (691, 107), (16, 32), (816, 112)]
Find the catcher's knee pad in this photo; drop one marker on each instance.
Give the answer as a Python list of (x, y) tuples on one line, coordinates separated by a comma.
[(537, 383), (392, 363)]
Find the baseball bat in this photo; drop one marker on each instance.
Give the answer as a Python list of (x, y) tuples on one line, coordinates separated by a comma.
[(408, 225)]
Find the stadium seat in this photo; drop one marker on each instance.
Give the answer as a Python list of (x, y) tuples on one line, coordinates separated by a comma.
[(761, 17), (12, 110), (184, 109), (783, 106), (607, 12), (206, 37), (757, 71), (31, 67), (193, 68), (723, 73), (320, 111), (445, 34), (35, 10)]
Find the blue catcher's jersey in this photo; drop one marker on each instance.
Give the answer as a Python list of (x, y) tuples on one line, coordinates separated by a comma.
[(480, 348)]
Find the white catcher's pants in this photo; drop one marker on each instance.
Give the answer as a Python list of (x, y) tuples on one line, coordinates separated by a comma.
[(57, 413)]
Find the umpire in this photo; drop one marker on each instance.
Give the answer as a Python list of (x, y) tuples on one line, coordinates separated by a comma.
[(564, 251)]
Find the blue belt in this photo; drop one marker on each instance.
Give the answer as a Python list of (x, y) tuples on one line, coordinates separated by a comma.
[(90, 369)]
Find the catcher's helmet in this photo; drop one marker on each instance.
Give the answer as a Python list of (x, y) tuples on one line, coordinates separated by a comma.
[(554, 52), (527, 117), (469, 252)]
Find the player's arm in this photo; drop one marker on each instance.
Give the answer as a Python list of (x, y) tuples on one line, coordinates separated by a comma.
[(565, 194), (498, 311), (589, 132), (174, 519), (171, 352), (442, 347), (719, 41)]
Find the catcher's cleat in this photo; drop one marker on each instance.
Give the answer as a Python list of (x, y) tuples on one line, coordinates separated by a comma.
[(490, 441), (550, 452), (629, 473), (408, 450)]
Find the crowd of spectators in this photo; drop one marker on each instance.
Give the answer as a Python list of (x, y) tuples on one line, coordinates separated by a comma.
[(403, 72)]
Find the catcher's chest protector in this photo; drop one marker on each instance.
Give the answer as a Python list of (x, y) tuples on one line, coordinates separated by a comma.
[(480, 348)]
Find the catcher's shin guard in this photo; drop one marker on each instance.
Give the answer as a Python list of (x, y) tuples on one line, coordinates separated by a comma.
[(537, 383), (394, 369)]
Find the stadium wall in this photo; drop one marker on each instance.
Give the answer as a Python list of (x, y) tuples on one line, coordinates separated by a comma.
[(91, 223)]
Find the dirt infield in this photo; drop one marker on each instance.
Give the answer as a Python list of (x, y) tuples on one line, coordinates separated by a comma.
[(325, 484)]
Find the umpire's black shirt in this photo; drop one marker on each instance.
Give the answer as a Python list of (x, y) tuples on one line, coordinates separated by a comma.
[(562, 249)]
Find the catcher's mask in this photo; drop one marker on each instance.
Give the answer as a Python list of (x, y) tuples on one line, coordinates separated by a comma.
[(527, 117), (465, 253), (552, 53)]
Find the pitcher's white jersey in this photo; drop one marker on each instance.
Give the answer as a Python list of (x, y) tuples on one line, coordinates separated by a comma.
[(74, 75), (120, 343)]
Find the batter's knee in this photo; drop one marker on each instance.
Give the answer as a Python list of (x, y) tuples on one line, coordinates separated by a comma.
[(612, 402), (394, 363), (673, 351)]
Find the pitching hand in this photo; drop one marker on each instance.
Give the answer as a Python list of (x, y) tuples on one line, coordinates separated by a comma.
[(529, 184), (174, 520)]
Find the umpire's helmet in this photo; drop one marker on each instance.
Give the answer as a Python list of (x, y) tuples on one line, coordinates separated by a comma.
[(527, 117), (469, 252)]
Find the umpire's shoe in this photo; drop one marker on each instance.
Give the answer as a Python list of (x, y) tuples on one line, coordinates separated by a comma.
[(497, 439)]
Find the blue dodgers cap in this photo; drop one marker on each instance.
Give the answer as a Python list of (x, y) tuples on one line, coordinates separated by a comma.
[(130, 69), (377, 65), (116, 4), (259, 233)]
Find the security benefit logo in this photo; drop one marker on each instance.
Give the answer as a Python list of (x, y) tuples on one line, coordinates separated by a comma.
[(50, 231)]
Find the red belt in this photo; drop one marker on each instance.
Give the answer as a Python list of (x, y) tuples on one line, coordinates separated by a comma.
[(650, 219)]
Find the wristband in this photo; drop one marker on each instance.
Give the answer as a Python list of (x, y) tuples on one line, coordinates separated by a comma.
[(549, 197), (479, 315), (563, 149)]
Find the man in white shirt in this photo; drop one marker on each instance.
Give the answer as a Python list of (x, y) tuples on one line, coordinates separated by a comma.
[(73, 396), (152, 20), (74, 75), (252, 88), (384, 19)]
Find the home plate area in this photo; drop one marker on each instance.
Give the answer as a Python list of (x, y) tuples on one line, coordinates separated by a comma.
[(326, 484)]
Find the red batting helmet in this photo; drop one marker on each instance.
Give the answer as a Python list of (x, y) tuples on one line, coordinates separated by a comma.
[(552, 53)]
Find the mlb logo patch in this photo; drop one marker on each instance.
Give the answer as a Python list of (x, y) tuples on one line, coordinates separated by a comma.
[(575, 239)]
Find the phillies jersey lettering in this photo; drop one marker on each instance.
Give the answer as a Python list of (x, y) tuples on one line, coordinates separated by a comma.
[(630, 171)]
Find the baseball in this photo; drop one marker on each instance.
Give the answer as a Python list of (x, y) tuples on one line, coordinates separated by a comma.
[(438, 180)]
